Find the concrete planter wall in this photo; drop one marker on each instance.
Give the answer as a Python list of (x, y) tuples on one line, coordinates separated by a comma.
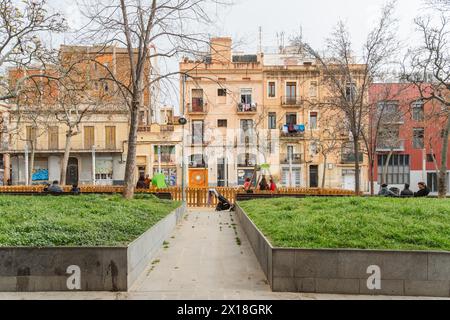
[(84, 268), (369, 272)]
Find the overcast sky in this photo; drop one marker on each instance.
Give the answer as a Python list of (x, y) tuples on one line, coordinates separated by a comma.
[(316, 19)]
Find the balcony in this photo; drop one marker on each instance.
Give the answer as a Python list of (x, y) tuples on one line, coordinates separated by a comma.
[(247, 108), (144, 128), (387, 146), (291, 102), (295, 158), (292, 131), (197, 107), (167, 128), (349, 157)]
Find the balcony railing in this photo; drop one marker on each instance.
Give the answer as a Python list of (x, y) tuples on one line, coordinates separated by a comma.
[(295, 158), (197, 106), (289, 101), (144, 128), (167, 128), (292, 131), (386, 146), (348, 158), (246, 108)]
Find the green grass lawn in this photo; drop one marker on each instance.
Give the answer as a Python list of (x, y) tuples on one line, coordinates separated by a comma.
[(86, 220), (359, 223)]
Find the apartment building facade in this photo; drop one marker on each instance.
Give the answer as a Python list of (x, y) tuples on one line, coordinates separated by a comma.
[(247, 110), (99, 147), (409, 147)]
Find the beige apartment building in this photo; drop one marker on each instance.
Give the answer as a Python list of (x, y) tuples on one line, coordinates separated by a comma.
[(98, 150), (246, 110)]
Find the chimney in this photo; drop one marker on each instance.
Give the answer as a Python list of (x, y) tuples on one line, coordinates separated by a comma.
[(221, 50)]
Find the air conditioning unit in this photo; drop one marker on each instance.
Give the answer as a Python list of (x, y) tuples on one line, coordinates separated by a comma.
[(251, 163), (193, 164)]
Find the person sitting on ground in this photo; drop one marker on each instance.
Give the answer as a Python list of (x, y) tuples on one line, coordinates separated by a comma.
[(47, 185), (141, 183), (272, 186), (75, 189), (263, 186), (423, 192), (55, 187), (247, 184), (385, 192), (148, 181), (407, 192)]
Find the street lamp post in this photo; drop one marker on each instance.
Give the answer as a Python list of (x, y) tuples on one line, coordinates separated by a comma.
[(183, 161)]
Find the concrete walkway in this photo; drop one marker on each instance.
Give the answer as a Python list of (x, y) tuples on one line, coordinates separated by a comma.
[(207, 257)]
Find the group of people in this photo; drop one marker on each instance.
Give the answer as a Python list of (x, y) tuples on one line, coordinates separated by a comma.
[(263, 185), (423, 192), (144, 182), (56, 188)]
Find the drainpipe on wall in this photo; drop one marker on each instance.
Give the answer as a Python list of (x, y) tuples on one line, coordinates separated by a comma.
[(93, 165), (26, 164)]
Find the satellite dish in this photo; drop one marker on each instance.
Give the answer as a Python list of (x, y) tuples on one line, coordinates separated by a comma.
[(182, 121)]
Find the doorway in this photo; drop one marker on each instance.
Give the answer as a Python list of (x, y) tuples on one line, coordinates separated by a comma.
[(72, 172), (314, 176), (221, 173), (348, 180)]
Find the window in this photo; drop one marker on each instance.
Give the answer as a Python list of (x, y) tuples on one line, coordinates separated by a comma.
[(272, 120), (313, 89), (291, 178), (88, 137), (197, 100), (110, 137), (431, 157), (197, 132), (398, 169), (142, 118), (291, 90), (271, 89), (291, 119), (31, 134), (222, 92), (246, 131), (53, 141), (246, 96), (418, 138), (164, 154), (222, 123), (313, 116), (418, 111), (432, 181), (350, 92)]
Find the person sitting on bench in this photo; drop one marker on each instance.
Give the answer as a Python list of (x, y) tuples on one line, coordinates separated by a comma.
[(75, 189)]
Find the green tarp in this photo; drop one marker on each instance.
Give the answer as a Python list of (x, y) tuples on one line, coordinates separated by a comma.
[(159, 181)]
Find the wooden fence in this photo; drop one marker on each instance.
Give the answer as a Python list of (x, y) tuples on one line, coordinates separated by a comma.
[(195, 197)]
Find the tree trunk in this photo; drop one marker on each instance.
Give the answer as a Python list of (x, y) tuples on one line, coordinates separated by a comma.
[(65, 161), (31, 166), (357, 167), (385, 167), (324, 171), (371, 175), (128, 192), (442, 180)]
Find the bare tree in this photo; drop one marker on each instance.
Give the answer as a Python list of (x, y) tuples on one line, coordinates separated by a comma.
[(139, 26), (427, 67), (21, 28), (348, 79)]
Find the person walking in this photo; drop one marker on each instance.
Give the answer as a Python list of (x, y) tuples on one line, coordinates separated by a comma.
[(263, 186)]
